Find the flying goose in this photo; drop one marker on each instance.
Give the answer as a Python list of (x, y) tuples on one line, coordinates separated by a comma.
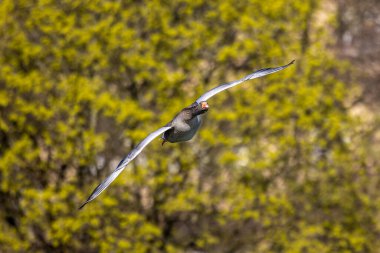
[(182, 128)]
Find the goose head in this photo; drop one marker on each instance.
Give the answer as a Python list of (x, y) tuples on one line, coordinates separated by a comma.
[(200, 108)]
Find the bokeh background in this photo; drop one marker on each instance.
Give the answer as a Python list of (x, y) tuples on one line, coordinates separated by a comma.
[(286, 163)]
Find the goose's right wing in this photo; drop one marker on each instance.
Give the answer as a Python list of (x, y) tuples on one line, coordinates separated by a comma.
[(137, 150)]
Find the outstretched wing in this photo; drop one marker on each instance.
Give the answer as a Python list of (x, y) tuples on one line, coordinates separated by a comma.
[(256, 74), (137, 150)]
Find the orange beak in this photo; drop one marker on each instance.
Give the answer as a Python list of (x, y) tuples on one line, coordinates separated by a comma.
[(204, 105)]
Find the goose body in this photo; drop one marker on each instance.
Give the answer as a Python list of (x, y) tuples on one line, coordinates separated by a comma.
[(182, 130), (186, 123)]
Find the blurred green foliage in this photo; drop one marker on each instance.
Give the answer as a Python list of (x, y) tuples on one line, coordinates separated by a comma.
[(278, 166)]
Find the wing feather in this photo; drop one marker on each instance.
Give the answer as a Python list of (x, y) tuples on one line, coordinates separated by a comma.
[(256, 74), (123, 163)]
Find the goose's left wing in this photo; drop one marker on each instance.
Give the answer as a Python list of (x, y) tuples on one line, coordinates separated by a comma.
[(137, 150), (256, 74)]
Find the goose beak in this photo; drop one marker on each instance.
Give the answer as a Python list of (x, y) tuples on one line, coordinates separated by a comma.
[(204, 105)]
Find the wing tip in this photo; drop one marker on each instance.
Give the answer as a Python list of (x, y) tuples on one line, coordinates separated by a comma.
[(85, 203), (290, 63)]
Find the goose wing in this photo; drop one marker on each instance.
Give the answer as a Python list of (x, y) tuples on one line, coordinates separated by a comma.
[(123, 163), (256, 74)]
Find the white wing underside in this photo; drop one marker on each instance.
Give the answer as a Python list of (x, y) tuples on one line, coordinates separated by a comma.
[(256, 74), (123, 163)]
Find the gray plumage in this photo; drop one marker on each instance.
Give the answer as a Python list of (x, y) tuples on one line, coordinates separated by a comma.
[(186, 123), (182, 128)]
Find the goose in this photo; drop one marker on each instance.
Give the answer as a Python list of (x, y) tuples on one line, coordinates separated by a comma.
[(182, 128)]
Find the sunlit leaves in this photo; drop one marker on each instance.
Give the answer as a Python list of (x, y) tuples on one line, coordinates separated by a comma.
[(276, 167)]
